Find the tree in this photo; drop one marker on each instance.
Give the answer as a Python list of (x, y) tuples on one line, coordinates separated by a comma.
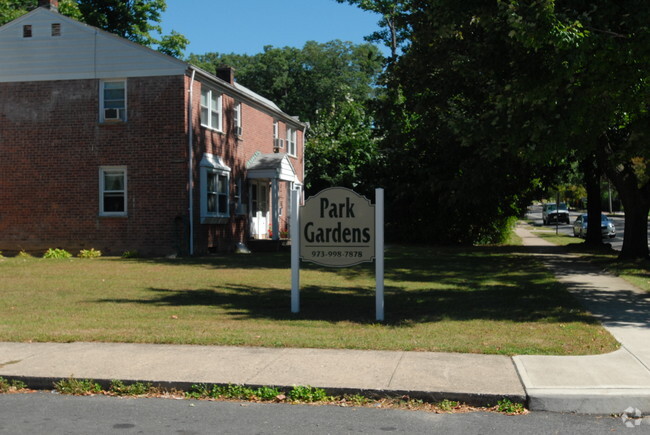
[(304, 81), (136, 20), (341, 150)]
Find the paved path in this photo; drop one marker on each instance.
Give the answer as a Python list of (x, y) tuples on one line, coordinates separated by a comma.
[(598, 384)]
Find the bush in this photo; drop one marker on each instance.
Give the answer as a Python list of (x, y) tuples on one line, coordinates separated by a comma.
[(130, 254), (24, 254), (89, 253), (57, 253)]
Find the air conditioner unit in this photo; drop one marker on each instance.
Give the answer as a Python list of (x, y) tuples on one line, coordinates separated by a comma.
[(238, 131), (278, 143), (111, 114)]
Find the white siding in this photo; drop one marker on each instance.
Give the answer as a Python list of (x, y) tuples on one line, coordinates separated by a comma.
[(81, 52)]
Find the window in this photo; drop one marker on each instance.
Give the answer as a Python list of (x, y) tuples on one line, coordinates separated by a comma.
[(27, 31), (215, 190), (210, 109), (237, 119), (112, 101), (56, 29), (276, 130), (112, 191), (291, 141)]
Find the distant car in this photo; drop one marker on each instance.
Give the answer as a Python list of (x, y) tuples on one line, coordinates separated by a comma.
[(607, 227), (552, 213)]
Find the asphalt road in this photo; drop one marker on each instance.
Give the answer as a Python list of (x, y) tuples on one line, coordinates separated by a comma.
[(535, 214), (52, 414)]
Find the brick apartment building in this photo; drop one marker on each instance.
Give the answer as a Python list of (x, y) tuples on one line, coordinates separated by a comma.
[(109, 145)]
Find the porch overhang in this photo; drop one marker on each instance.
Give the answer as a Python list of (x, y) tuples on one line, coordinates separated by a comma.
[(276, 166)]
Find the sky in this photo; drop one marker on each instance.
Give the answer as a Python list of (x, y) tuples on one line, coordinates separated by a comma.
[(246, 26)]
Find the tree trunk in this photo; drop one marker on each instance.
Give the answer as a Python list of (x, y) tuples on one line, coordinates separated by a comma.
[(592, 184), (636, 202)]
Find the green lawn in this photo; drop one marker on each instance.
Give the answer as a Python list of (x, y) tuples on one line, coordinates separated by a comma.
[(480, 300)]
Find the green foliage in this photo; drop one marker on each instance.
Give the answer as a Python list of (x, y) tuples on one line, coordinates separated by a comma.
[(118, 388), (24, 254), (77, 387), (131, 254), (56, 253), (10, 385), (307, 394), (508, 407), (233, 392), (304, 81), (89, 253), (448, 405)]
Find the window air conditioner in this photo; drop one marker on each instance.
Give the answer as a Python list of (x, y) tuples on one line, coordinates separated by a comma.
[(278, 143), (238, 131), (111, 114)]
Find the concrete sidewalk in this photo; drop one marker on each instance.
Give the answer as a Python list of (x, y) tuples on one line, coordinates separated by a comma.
[(595, 384), (598, 384), (474, 379)]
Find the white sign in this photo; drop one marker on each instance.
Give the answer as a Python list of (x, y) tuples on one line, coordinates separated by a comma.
[(337, 228)]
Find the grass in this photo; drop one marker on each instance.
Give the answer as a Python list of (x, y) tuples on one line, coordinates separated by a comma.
[(479, 300)]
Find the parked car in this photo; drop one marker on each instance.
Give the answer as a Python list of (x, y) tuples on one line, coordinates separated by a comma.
[(606, 226), (552, 213)]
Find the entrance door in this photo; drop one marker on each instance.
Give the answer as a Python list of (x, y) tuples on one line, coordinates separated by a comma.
[(259, 209)]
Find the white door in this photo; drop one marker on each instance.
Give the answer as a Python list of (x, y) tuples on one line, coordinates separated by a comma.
[(259, 195)]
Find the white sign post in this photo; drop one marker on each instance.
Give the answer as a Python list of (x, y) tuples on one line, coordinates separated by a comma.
[(338, 228)]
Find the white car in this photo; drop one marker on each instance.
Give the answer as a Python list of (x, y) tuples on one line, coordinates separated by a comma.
[(606, 226), (552, 213)]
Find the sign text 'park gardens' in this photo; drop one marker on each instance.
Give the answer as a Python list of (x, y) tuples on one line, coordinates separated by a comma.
[(338, 228)]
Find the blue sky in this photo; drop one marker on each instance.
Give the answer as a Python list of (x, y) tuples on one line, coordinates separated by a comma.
[(246, 26)]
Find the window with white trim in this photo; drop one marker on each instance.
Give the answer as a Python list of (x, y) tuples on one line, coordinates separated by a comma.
[(237, 119), (291, 141), (215, 189), (112, 100), (112, 191), (211, 109)]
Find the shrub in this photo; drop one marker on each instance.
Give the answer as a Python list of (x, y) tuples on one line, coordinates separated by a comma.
[(130, 254), (24, 254), (57, 253), (89, 253)]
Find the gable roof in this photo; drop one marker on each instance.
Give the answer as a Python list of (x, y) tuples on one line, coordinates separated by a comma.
[(80, 52)]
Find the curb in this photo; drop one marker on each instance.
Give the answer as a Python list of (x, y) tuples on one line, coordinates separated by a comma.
[(471, 399)]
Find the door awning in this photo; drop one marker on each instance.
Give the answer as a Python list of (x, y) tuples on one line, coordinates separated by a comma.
[(271, 166)]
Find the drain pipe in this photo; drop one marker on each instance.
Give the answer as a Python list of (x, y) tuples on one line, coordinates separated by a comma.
[(190, 159)]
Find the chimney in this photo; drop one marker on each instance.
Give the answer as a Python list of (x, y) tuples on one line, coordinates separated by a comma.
[(52, 5), (226, 73)]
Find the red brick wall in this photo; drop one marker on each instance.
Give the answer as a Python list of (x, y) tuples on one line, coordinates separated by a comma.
[(52, 146), (51, 149), (257, 135)]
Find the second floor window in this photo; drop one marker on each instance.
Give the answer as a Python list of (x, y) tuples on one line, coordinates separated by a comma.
[(291, 141), (211, 109), (113, 101), (237, 119)]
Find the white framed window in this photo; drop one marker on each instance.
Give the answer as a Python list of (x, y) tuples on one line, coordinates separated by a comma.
[(215, 189), (291, 141), (112, 191), (112, 100), (211, 109), (237, 119), (276, 130)]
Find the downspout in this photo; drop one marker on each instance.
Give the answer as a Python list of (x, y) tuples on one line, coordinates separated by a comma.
[(190, 159)]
